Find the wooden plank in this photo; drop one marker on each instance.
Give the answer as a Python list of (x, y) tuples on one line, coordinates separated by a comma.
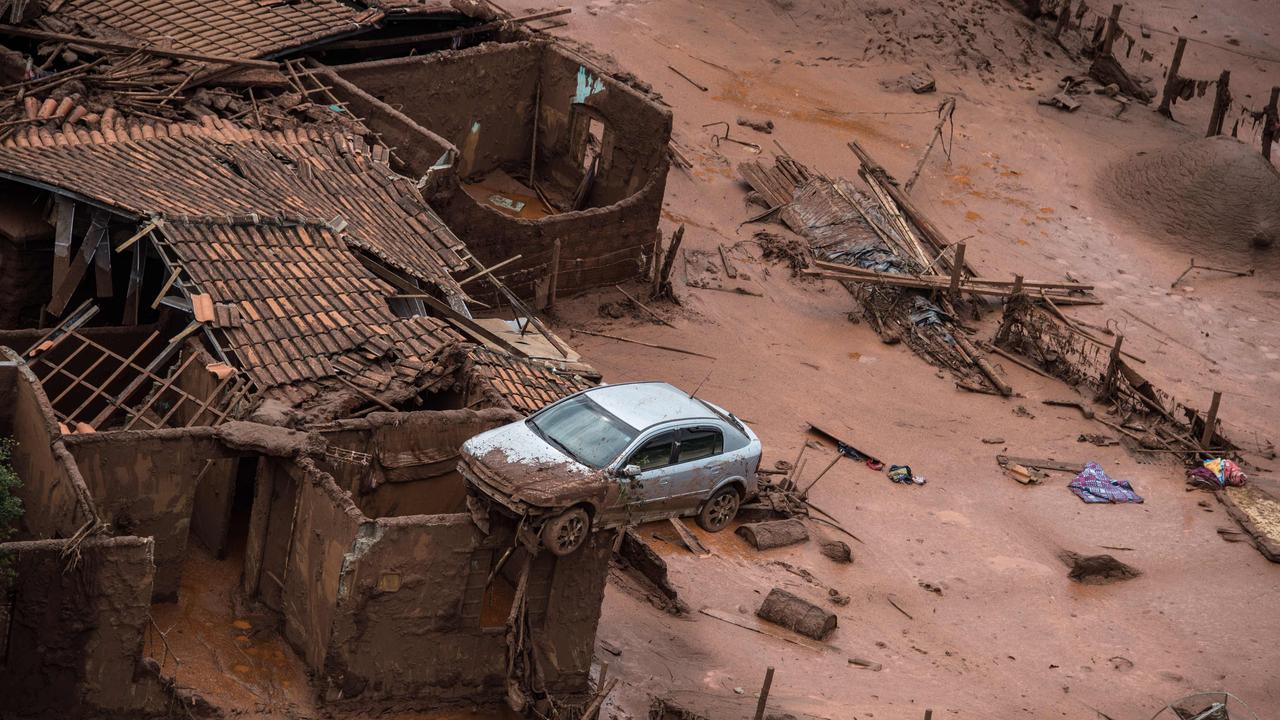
[(65, 214), (1044, 463), (136, 271), (80, 264), (102, 268), (689, 539)]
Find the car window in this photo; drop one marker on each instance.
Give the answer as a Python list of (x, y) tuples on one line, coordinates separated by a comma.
[(654, 454), (698, 443), (584, 430)]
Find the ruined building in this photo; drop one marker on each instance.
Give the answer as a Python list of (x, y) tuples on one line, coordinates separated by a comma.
[(256, 288)]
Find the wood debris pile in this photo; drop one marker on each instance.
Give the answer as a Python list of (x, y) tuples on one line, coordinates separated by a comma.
[(1148, 418)]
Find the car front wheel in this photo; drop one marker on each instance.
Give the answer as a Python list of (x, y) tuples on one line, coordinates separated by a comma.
[(719, 510), (566, 532)]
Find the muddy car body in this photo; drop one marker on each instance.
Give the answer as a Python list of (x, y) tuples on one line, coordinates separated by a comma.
[(611, 456)]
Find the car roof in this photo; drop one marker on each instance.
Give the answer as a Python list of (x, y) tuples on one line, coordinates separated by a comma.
[(645, 404)]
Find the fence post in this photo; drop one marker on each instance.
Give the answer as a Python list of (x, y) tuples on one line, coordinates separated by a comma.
[(764, 694), (1270, 123), (1221, 103), (1211, 420), (1171, 80), (1113, 29), (1064, 17)]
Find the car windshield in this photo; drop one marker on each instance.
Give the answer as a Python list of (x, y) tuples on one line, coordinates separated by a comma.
[(584, 430)]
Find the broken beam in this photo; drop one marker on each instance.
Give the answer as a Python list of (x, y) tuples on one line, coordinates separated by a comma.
[(447, 34), (133, 48)]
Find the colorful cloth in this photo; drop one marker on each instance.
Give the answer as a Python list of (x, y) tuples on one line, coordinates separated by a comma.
[(1217, 473), (1093, 485)]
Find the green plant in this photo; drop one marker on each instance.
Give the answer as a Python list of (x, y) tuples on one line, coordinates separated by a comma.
[(10, 503)]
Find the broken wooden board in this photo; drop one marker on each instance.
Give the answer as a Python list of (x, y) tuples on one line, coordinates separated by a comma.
[(689, 539), (1041, 464), (1258, 513), (754, 624)]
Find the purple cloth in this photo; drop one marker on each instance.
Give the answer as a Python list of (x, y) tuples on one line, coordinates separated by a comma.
[(1093, 485)]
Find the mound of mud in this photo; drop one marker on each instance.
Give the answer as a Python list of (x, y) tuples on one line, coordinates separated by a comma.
[(1097, 569), (1215, 193)]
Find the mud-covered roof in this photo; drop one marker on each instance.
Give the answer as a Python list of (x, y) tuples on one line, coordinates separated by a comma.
[(232, 28), (292, 305), (526, 385), (218, 171)]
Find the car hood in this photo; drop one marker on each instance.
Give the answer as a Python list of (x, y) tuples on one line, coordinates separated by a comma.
[(519, 463)]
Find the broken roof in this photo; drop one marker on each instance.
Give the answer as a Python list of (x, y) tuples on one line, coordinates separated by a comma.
[(220, 172), (526, 385), (232, 28), (293, 305)]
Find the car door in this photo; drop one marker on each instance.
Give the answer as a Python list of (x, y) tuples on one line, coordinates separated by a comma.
[(700, 463), (641, 497)]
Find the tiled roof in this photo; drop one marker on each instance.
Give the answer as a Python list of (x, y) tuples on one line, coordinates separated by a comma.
[(219, 171), (526, 385), (293, 305), (235, 28)]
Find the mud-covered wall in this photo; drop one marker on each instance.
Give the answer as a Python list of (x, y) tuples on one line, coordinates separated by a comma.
[(76, 632), (395, 607), (480, 100), (414, 459), (56, 501), (215, 490), (497, 86), (324, 530), (404, 627), (143, 483)]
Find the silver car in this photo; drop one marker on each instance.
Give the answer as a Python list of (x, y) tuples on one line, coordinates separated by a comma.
[(611, 456)]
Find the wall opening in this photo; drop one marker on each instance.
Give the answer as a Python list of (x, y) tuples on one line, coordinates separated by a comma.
[(241, 508)]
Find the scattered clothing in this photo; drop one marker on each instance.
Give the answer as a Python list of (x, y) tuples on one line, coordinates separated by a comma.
[(1093, 485), (1217, 473)]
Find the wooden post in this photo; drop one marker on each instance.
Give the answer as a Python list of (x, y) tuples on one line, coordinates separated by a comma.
[(664, 284), (1098, 28), (1271, 122), (928, 715), (555, 273), (1171, 80), (1211, 420), (656, 264), (1221, 104), (1017, 285), (764, 693), (1064, 19), (1113, 29), (957, 269), (1113, 367)]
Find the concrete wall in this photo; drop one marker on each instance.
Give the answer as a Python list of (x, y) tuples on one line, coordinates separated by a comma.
[(415, 458), (55, 499), (144, 483), (481, 102), (75, 632)]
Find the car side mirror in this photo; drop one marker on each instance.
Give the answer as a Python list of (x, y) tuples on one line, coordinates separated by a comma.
[(629, 471)]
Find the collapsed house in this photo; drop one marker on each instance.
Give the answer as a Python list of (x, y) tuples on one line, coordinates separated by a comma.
[(236, 313)]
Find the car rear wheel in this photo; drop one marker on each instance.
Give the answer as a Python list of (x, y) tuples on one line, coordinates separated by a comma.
[(566, 532), (719, 510)]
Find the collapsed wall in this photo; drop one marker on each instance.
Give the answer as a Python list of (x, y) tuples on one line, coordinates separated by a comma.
[(535, 115), (412, 606), (73, 640)]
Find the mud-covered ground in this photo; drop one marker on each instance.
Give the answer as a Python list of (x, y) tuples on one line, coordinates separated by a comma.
[(1000, 631)]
